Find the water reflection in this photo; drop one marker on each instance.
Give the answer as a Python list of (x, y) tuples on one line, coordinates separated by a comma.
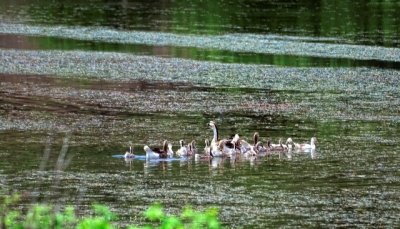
[(360, 22), (189, 165), (312, 153), (129, 162)]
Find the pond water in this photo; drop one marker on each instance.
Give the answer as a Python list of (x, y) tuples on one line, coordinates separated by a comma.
[(82, 80)]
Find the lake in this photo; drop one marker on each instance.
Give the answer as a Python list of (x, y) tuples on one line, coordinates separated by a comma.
[(81, 81)]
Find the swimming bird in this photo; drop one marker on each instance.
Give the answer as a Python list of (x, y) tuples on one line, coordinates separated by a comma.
[(156, 153), (246, 147), (129, 154), (217, 150), (206, 154), (183, 151), (261, 149), (170, 152), (289, 143), (207, 146), (276, 145), (218, 147), (192, 147), (305, 146)]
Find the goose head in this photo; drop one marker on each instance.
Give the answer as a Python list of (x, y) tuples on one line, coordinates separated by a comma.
[(147, 149), (212, 124)]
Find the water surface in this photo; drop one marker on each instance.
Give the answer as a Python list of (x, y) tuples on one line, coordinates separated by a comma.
[(97, 76)]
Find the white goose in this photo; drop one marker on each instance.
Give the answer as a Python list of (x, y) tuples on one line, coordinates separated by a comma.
[(170, 152), (183, 151), (220, 148), (156, 153), (305, 146)]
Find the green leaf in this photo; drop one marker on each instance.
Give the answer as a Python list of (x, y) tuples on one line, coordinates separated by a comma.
[(103, 211), (95, 223), (155, 212), (11, 218), (187, 212), (171, 222)]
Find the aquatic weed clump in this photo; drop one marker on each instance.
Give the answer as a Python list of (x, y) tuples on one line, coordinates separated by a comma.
[(43, 216)]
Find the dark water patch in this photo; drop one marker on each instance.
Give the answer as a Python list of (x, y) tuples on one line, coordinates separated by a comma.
[(84, 83)]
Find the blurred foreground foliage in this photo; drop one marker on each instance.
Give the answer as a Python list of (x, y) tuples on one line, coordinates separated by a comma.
[(42, 216)]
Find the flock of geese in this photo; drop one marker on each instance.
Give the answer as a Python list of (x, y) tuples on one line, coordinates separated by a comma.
[(229, 147)]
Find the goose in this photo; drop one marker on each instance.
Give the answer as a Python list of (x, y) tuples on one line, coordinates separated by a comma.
[(183, 151), (192, 147), (217, 150), (260, 149), (286, 146), (241, 145), (129, 154), (170, 152), (289, 143), (220, 148), (246, 148), (305, 146), (156, 153), (276, 145), (207, 147), (228, 147), (207, 152)]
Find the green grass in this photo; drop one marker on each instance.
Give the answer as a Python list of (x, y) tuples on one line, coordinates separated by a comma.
[(43, 216)]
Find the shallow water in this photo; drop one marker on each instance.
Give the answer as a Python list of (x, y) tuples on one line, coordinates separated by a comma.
[(103, 75)]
